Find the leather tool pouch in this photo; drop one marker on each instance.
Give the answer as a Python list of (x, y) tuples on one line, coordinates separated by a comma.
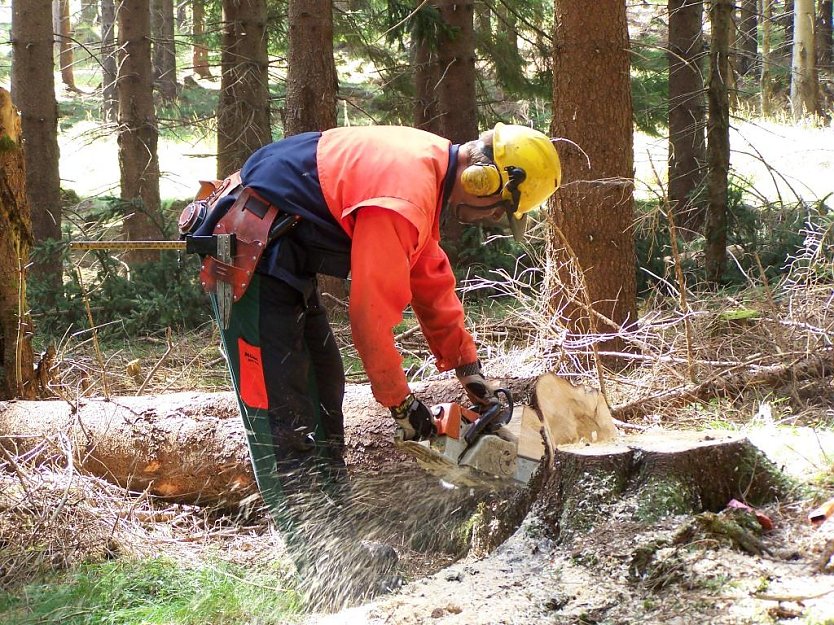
[(250, 219)]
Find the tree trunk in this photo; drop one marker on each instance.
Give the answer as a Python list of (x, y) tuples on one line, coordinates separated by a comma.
[(825, 44), (65, 44), (768, 84), (650, 476), (788, 19), (109, 65), (747, 37), (243, 111), (595, 208), (190, 447), (456, 94), (33, 91), (687, 115), (312, 85), (803, 69), (718, 141), (17, 377), (199, 51), (164, 48), (89, 11), (137, 135), (426, 77)]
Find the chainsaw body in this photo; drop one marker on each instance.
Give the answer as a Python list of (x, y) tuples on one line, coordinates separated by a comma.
[(475, 446)]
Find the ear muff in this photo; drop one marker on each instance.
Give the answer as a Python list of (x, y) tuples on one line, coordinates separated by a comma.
[(482, 180)]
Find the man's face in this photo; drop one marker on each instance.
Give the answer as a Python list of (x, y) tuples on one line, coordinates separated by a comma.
[(480, 211)]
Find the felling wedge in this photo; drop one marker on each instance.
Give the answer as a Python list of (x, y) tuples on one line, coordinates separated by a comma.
[(502, 445)]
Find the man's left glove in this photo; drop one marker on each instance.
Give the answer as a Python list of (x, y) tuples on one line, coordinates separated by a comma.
[(413, 418), (474, 384)]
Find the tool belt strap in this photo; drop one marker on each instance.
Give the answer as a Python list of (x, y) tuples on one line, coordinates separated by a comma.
[(211, 191), (250, 219)]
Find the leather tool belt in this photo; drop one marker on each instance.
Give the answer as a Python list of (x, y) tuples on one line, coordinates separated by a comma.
[(250, 219)]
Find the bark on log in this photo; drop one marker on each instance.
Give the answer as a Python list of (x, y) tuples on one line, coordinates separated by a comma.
[(189, 447), (645, 477), (731, 382)]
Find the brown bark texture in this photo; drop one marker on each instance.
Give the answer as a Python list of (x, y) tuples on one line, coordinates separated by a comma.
[(455, 89), (109, 64), (312, 85), (33, 91), (243, 118), (138, 135), (190, 447), (595, 207), (687, 115), (426, 75), (804, 81), (767, 82), (718, 141), (65, 53), (747, 39), (199, 51), (825, 35), (164, 48), (17, 378)]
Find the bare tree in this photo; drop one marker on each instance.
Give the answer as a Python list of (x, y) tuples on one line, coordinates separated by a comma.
[(768, 85), (825, 45), (687, 113), (109, 97), (137, 135), (243, 111), (803, 61), (748, 25), (718, 139), (456, 92), (63, 27), (33, 90), (595, 207), (164, 59), (312, 85), (199, 51), (17, 379)]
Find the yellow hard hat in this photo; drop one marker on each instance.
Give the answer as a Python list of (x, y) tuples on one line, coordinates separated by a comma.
[(530, 164)]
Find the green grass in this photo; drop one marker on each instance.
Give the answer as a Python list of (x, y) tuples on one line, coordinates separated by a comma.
[(155, 591)]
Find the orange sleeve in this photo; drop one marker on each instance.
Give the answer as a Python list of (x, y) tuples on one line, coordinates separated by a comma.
[(383, 244), (439, 309)]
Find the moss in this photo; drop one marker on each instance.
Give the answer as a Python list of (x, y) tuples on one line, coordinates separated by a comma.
[(664, 497), (7, 144)]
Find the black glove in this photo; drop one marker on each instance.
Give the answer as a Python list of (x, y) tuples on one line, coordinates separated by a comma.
[(414, 419), (474, 384)]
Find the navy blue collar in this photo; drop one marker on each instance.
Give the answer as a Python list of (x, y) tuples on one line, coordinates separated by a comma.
[(451, 173)]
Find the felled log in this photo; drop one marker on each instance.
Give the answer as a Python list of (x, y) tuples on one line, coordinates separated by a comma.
[(187, 447)]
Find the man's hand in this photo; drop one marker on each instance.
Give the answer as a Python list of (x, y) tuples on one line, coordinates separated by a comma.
[(413, 418), (474, 383)]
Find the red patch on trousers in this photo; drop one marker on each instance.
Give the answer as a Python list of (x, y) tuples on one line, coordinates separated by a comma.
[(252, 385)]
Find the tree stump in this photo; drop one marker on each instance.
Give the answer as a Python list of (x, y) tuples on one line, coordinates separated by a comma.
[(645, 477)]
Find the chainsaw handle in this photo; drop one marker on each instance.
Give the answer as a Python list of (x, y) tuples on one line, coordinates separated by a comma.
[(493, 416)]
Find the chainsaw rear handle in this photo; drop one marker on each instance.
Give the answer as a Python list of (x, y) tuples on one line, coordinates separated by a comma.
[(492, 416)]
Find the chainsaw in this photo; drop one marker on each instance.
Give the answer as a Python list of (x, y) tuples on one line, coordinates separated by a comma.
[(475, 446)]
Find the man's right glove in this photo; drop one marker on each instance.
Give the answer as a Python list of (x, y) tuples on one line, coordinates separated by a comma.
[(413, 418), (474, 383)]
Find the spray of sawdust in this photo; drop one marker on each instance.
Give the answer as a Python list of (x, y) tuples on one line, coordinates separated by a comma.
[(344, 542)]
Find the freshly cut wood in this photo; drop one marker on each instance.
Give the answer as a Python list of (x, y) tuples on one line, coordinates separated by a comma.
[(644, 477), (572, 413), (734, 381)]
